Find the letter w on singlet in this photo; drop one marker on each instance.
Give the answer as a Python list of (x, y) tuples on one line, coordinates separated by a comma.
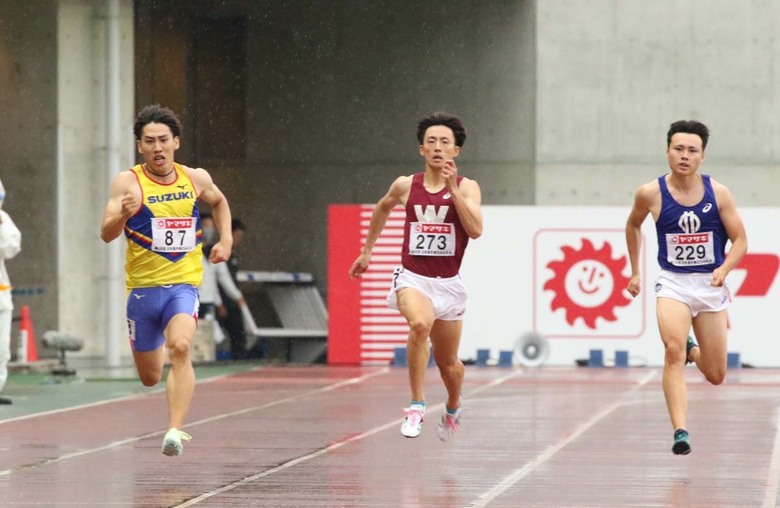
[(430, 214)]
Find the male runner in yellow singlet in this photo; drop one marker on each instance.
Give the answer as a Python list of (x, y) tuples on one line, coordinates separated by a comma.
[(155, 204)]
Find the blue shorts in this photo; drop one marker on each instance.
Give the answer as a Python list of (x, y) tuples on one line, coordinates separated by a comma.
[(150, 309)]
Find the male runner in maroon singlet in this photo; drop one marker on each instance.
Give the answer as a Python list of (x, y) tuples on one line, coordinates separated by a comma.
[(442, 214)]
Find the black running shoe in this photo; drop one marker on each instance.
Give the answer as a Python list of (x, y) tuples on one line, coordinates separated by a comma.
[(681, 445), (690, 345)]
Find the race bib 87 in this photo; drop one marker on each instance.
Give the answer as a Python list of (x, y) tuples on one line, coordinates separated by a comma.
[(173, 234)]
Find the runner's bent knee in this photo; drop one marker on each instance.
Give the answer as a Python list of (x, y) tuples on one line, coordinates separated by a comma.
[(179, 348), (714, 372), (150, 377), (716, 377), (420, 328), (674, 353)]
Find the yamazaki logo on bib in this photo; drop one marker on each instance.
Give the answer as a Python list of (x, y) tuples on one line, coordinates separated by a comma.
[(690, 239), (175, 223), (433, 228)]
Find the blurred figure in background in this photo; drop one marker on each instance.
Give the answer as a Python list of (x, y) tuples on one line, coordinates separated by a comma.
[(214, 276), (10, 245), (232, 317)]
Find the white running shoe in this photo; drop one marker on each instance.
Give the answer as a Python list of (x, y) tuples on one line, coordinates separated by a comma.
[(412, 425), (449, 424), (172, 446)]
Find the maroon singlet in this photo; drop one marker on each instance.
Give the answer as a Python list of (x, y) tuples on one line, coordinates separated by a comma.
[(432, 251)]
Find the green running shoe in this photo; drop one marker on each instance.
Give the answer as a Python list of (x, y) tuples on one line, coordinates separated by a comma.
[(688, 347), (681, 445)]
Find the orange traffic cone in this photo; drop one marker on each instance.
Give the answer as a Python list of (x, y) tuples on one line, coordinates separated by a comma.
[(28, 350)]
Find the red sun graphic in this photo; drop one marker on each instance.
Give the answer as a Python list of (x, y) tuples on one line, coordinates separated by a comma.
[(588, 283)]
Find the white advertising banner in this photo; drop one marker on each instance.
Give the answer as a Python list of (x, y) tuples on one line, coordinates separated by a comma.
[(561, 272)]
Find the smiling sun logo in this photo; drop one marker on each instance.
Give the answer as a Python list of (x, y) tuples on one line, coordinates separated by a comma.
[(588, 283)]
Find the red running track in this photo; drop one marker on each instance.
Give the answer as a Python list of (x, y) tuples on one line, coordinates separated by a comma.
[(329, 437)]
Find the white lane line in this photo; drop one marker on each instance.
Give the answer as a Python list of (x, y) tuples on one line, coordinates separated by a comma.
[(334, 446), (135, 439), (485, 498), (770, 496), (117, 399)]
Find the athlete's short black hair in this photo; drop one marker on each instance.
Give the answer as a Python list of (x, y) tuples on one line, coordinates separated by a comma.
[(688, 127), (441, 118), (156, 114)]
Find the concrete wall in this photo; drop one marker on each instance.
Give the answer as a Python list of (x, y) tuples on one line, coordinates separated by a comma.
[(333, 94), (613, 75), (28, 142), (83, 126)]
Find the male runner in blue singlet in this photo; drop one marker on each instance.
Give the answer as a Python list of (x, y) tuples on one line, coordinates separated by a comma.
[(694, 217)]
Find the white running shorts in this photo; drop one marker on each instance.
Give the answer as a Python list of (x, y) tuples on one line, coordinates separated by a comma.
[(448, 295), (694, 290)]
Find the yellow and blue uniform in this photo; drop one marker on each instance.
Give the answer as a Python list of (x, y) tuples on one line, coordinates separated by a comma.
[(164, 251), (150, 267)]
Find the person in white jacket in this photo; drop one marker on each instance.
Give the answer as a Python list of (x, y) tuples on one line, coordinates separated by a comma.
[(10, 245)]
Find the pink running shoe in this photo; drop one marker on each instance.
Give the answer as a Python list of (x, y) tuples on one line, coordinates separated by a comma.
[(448, 425), (412, 425)]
